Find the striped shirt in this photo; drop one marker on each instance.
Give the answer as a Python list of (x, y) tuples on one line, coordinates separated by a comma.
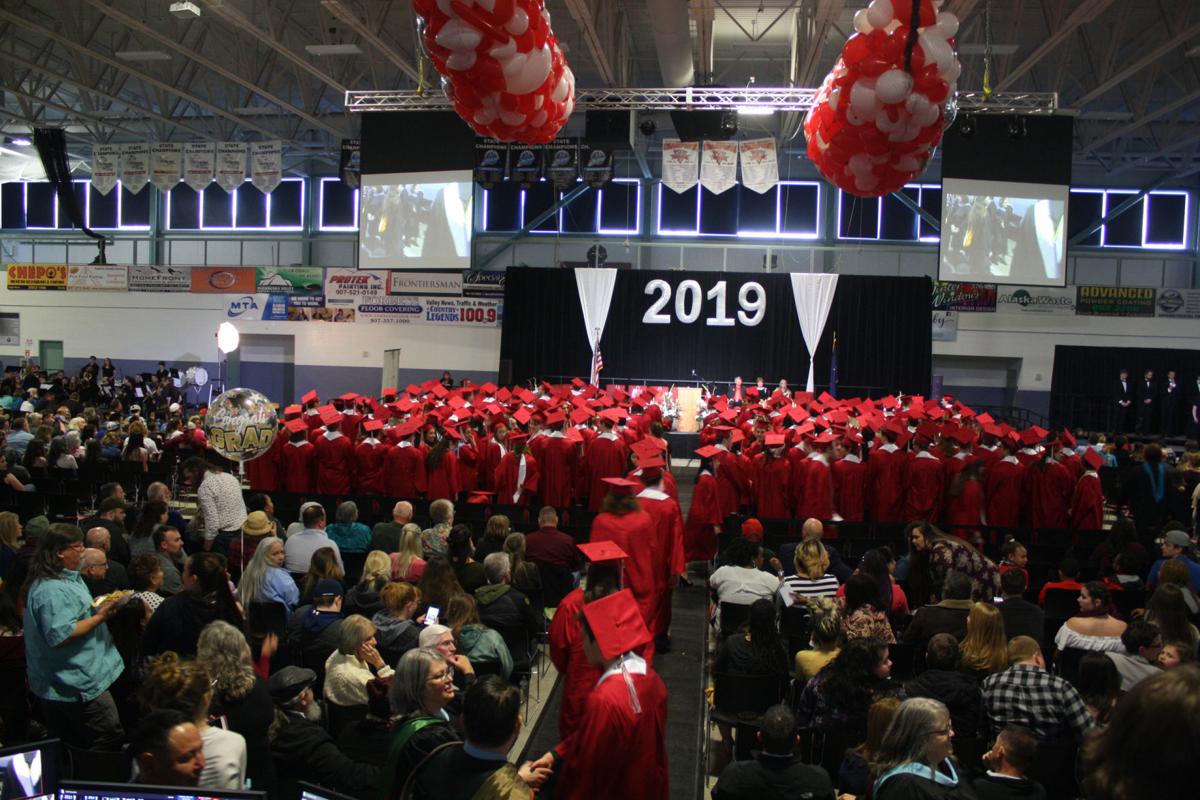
[(824, 586)]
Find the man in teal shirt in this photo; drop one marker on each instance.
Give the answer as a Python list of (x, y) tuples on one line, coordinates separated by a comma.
[(70, 656)]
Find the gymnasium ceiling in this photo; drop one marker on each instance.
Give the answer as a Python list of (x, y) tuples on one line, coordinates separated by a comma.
[(125, 70)]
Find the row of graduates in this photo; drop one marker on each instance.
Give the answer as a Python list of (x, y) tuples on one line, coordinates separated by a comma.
[(960, 473), (434, 450)]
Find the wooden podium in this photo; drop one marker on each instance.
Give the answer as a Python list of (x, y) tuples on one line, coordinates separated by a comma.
[(690, 398)]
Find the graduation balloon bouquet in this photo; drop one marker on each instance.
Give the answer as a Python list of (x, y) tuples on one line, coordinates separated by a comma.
[(501, 64), (881, 112)]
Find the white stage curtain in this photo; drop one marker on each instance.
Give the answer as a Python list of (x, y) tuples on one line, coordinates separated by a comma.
[(813, 294), (595, 296)]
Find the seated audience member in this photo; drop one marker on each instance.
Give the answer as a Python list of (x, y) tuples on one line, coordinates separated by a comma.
[(1094, 627), (461, 550), (841, 694), (1011, 756), (913, 762), (186, 686), (740, 581), (441, 639), (1099, 685), (1068, 575), (1168, 610), (756, 647), (354, 664), (825, 630), (1152, 746), (1173, 572), (240, 697), (1139, 660), (301, 747), (494, 533), (500, 605), (421, 689), (145, 578), (206, 597), (949, 615), (93, 568), (525, 576), (1176, 654), (434, 539), (168, 549), (942, 681), (386, 535), (167, 749), (854, 774), (256, 502), (395, 629), (813, 530), (862, 617), (1014, 555), (314, 629), (101, 539), (257, 528), (152, 514), (350, 535), (363, 597), (366, 740), (775, 771), (264, 580), (985, 650), (323, 565), (482, 646), (479, 765), (438, 584), (812, 577), (300, 546), (1027, 694), (1177, 546), (548, 545), (407, 563), (1021, 617)]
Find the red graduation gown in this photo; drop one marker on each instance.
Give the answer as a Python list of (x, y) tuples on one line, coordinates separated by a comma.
[(559, 462), (1048, 494), (404, 471), (732, 482), (616, 752), (335, 464), (965, 512), (635, 534), (566, 651), (506, 479), (368, 467), (468, 468), (885, 483), (818, 491), (1087, 503), (351, 420), (442, 483), (924, 488), (699, 536), (849, 488), (772, 498), (604, 458), (264, 472), (490, 454), (668, 551), (1002, 488), (298, 466)]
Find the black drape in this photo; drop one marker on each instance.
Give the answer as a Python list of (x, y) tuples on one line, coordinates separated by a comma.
[(51, 145), (1083, 387), (882, 325)]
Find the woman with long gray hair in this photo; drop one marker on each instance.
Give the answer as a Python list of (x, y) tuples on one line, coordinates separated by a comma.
[(421, 689), (913, 760), (264, 580)]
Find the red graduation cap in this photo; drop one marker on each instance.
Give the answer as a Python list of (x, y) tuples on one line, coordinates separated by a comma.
[(1093, 459), (412, 389), (621, 485), (602, 551), (774, 439), (456, 402), (439, 391), (452, 432), (388, 391), (348, 397), (729, 414), (620, 395), (751, 391), (525, 395), (503, 394), (613, 415), (737, 436), (522, 416), (480, 497), (985, 419), (296, 425), (577, 383), (580, 416), (992, 430), (825, 438), (555, 418), (1031, 436), (616, 623), (644, 449), (293, 410), (797, 413), (1068, 438), (408, 428), (372, 425), (516, 437), (708, 451), (309, 397), (488, 388)]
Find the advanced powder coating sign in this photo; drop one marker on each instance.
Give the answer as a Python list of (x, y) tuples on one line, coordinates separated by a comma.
[(37, 276), (1114, 301)]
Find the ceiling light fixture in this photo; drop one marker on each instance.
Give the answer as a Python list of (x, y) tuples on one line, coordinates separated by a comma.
[(184, 10), (333, 49), (755, 111), (17, 141)]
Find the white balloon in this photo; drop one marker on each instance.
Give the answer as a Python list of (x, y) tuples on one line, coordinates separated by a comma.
[(904, 133), (853, 117), (519, 23), (893, 86), (936, 51), (485, 116), (461, 60), (866, 182), (947, 24), (822, 145), (539, 119), (880, 13), (512, 117), (861, 23), (445, 7), (859, 163), (884, 122), (862, 99), (950, 73), (532, 72), (835, 97), (561, 89), (458, 35)]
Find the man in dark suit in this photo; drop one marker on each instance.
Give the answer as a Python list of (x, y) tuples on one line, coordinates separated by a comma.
[(1124, 403), (1021, 617), (386, 535), (1170, 405), (1147, 404)]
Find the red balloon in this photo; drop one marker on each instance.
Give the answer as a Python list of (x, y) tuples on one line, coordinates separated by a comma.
[(857, 48)]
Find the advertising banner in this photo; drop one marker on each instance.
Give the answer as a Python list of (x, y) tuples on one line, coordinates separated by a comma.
[(449, 284), (346, 287), (289, 280), (97, 278), (1178, 303), (483, 283), (10, 330), (37, 276), (945, 326), (1114, 301), (223, 280), (462, 311), (247, 307), (159, 279), (312, 308), (1035, 300), (954, 296)]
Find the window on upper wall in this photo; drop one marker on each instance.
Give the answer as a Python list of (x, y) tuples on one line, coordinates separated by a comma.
[(501, 208), (1156, 221), (620, 207), (889, 218), (244, 209), (789, 210), (612, 210), (337, 206), (34, 205)]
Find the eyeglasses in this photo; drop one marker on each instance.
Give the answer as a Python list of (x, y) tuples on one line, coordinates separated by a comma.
[(946, 731), (448, 675), (74, 546)]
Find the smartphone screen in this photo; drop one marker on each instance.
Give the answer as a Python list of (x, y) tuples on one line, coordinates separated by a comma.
[(431, 616)]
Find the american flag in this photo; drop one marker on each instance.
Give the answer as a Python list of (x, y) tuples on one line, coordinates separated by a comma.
[(597, 366)]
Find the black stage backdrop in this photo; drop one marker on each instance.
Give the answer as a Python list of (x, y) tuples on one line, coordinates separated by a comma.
[(1084, 384), (882, 324)]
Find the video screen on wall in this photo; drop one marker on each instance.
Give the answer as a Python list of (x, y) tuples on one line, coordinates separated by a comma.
[(416, 220), (1003, 232)]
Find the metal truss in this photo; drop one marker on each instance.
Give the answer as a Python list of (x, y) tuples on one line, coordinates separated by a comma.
[(701, 99)]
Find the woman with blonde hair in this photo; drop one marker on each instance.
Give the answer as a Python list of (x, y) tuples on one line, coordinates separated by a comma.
[(854, 775), (408, 563), (363, 597), (825, 631), (354, 663), (984, 651), (812, 578)]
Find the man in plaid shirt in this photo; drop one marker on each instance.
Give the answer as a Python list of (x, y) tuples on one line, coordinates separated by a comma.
[(1027, 694)]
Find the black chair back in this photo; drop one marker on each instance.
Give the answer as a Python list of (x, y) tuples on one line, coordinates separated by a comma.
[(1062, 603), (732, 615), (1127, 600), (746, 696), (353, 565), (1068, 664), (516, 637), (904, 661), (557, 583), (342, 717)]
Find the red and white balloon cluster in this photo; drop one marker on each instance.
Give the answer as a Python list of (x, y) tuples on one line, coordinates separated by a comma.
[(875, 124), (502, 67)]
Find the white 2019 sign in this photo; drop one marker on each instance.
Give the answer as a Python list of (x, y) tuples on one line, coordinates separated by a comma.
[(689, 304)]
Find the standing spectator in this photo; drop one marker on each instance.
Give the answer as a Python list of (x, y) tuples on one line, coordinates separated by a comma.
[(1145, 490), (300, 547), (350, 535), (932, 554), (776, 771), (1027, 694), (219, 495), (205, 597), (70, 657)]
